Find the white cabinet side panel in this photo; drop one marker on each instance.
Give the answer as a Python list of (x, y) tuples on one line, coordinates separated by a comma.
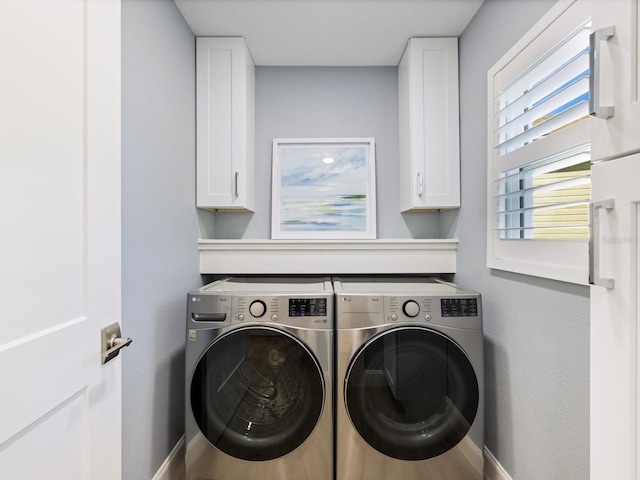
[(246, 189), (405, 100)]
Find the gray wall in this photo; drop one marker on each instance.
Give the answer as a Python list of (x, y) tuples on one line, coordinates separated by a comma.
[(328, 102), (537, 341), (537, 331), (159, 227)]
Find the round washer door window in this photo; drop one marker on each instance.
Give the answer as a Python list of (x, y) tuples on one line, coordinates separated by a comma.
[(257, 393), (411, 393)]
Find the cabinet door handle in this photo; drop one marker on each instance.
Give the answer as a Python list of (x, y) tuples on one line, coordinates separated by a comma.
[(420, 185), (594, 244), (236, 183), (595, 40)]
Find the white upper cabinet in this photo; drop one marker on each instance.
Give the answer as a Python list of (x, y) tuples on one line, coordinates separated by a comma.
[(225, 76), (615, 78), (429, 125)]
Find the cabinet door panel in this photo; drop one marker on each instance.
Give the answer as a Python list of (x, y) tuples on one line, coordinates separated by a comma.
[(215, 175), (614, 317), (428, 119), (619, 76), (225, 124)]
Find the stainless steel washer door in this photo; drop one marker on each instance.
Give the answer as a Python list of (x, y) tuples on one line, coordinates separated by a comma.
[(411, 393), (257, 393)]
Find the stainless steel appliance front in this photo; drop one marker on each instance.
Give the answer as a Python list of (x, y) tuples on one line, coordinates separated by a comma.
[(259, 360), (409, 380)]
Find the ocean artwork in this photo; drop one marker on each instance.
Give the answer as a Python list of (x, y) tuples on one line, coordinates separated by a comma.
[(323, 188)]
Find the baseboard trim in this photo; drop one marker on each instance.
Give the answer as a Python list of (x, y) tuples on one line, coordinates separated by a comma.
[(173, 465), (492, 468)]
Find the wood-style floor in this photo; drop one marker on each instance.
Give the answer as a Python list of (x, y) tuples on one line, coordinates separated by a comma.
[(179, 473), (448, 471), (181, 476)]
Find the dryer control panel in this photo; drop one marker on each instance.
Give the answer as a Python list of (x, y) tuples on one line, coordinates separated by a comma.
[(458, 311), (375, 301)]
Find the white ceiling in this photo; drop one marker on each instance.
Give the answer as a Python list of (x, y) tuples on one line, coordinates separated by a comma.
[(328, 32)]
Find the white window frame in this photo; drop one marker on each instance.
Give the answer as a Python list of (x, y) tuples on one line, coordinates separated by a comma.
[(564, 260)]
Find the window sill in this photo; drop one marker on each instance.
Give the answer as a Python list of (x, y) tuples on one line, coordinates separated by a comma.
[(564, 261)]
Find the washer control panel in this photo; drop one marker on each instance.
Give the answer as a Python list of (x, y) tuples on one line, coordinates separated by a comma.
[(209, 308), (459, 307), (306, 311)]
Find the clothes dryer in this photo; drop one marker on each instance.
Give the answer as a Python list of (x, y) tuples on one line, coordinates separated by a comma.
[(409, 380), (259, 361)]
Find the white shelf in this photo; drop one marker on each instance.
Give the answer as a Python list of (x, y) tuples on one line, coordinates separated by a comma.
[(327, 257)]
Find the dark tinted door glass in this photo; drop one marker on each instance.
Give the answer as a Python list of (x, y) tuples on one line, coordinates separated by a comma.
[(257, 393), (411, 393)]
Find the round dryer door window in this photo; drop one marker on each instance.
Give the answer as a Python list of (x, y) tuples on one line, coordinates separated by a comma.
[(257, 393), (411, 393)]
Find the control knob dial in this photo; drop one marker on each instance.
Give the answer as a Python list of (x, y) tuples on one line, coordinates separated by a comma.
[(411, 308), (257, 308)]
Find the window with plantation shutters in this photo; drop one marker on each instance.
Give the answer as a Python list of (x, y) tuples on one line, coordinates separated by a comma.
[(539, 149)]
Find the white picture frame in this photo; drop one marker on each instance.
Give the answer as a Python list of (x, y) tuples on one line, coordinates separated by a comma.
[(323, 188)]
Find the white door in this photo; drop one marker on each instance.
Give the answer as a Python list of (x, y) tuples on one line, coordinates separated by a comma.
[(59, 238), (614, 319), (617, 77)]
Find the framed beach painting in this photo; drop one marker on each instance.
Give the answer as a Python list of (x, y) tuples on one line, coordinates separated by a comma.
[(323, 188)]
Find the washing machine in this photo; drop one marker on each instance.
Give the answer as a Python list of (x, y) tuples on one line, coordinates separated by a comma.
[(259, 393), (409, 380)]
